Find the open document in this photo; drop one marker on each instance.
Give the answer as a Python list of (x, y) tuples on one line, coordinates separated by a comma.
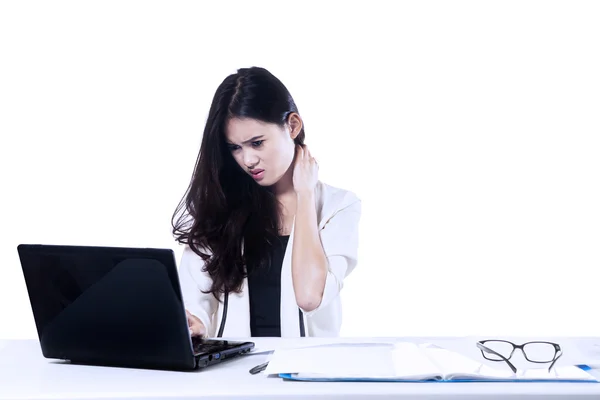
[(403, 361)]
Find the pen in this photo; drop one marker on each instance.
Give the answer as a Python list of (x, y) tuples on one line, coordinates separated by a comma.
[(259, 368)]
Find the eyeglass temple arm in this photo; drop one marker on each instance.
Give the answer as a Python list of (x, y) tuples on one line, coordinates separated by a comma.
[(555, 359), (488, 350)]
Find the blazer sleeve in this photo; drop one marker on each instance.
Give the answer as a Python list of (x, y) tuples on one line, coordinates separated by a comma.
[(339, 238), (193, 281)]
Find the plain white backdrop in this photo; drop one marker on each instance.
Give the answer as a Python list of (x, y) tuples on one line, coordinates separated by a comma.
[(470, 130)]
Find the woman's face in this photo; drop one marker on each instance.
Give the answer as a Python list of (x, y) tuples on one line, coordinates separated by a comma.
[(264, 151)]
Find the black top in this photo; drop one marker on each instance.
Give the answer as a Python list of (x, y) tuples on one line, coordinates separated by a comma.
[(265, 294)]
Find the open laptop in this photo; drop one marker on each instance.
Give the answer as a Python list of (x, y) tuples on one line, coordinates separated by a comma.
[(114, 307)]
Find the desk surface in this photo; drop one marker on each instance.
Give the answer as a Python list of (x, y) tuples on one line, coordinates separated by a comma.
[(24, 373)]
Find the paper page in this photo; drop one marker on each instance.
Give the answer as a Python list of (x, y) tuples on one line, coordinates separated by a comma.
[(557, 373), (411, 362), (588, 352), (336, 361), (402, 361), (457, 366)]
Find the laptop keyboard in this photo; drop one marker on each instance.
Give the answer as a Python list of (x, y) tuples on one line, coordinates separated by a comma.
[(203, 346)]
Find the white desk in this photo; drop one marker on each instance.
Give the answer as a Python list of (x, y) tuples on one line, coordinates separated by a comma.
[(25, 374)]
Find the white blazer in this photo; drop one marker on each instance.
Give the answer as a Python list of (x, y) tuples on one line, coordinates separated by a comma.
[(338, 216)]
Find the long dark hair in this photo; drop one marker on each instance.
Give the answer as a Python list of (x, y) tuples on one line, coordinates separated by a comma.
[(225, 217)]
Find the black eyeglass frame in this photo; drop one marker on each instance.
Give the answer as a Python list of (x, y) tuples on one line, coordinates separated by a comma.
[(484, 349)]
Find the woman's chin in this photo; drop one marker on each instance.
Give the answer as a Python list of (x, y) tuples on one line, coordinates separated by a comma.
[(264, 182), (268, 180)]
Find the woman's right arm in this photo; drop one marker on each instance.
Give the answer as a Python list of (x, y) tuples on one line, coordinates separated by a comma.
[(194, 281)]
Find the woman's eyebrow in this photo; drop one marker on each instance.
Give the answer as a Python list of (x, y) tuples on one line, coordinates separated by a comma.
[(249, 140)]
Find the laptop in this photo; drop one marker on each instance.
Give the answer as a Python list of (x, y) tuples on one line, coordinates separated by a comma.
[(115, 306)]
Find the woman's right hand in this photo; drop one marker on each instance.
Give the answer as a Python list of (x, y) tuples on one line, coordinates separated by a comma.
[(196, 326)]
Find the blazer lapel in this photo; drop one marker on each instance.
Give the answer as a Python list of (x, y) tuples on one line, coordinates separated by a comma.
[(290, 324)]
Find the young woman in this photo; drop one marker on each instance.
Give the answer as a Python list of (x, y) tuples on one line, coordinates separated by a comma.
[(267, 245)]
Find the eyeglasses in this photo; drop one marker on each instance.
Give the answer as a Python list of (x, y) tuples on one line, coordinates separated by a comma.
[(535, 352)]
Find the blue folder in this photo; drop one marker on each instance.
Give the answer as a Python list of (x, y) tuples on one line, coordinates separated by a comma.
[(291, 377)]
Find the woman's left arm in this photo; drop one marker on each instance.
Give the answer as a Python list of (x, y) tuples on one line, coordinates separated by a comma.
[(309, 262), (321, 260)]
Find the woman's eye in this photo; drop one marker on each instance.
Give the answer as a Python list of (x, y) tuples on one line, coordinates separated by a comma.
[(233, 148), (257, 143)]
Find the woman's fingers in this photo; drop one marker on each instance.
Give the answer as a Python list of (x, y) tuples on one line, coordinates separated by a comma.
[(196, 326)]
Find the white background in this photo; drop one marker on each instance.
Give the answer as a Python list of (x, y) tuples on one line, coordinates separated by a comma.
[(469, 129)]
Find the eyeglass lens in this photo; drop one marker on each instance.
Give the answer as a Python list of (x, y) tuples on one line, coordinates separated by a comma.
[(535, 351)]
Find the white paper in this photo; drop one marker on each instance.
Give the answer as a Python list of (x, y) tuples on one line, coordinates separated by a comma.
[(343, 360), (410, 362), (400, 361)]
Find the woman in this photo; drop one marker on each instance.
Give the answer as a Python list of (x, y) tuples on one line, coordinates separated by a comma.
[(267, 245)]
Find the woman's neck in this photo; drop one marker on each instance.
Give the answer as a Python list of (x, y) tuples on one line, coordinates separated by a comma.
[(284, 188)]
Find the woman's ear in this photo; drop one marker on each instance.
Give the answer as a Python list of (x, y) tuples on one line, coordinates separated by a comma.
[(295, 124)]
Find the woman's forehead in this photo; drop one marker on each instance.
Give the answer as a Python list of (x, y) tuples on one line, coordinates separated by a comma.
[(245, 130)]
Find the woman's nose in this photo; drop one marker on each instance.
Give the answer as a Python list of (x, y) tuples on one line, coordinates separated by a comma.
[(250, 159)]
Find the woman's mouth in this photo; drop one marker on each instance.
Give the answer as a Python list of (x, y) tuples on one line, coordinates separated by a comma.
[(258, 174)]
